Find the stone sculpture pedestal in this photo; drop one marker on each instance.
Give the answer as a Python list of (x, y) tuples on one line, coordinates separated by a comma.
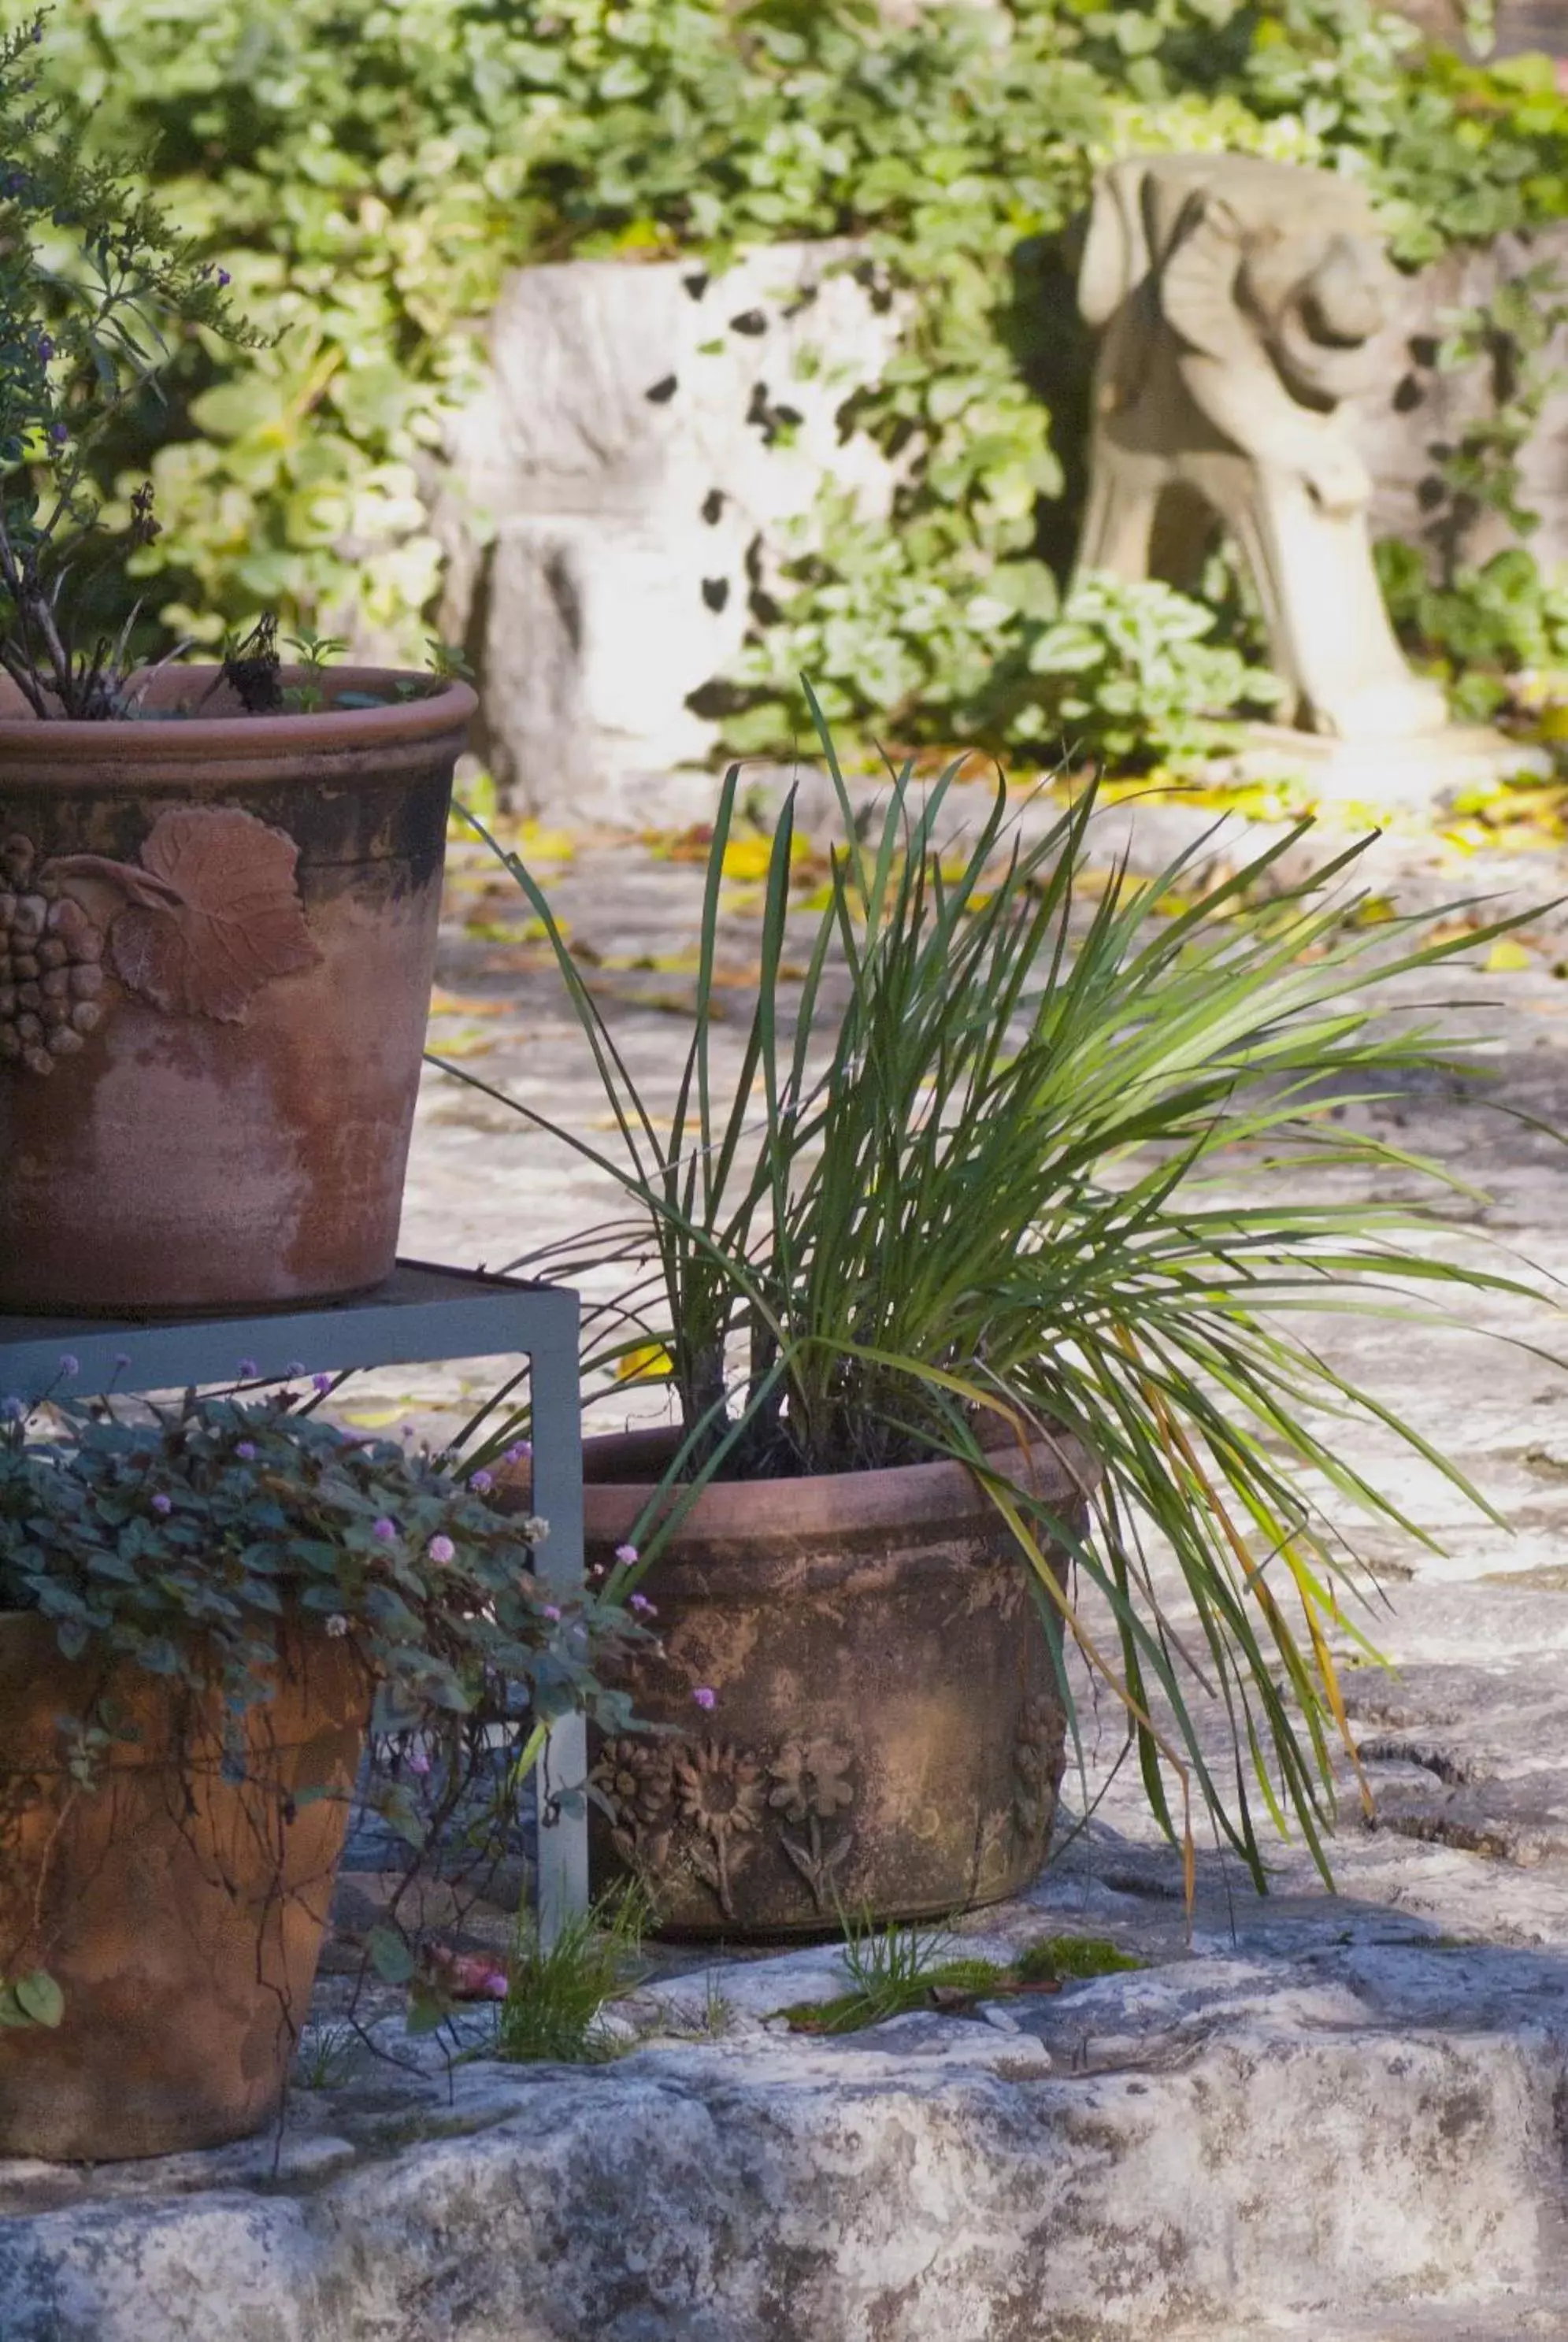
[(1423, 770)]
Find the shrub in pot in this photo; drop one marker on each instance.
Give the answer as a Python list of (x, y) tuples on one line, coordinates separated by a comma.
[(967, 1263), (219, 886), (202, 1612)]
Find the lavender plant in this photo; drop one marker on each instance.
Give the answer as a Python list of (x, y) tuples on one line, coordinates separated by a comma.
[(97, 288)]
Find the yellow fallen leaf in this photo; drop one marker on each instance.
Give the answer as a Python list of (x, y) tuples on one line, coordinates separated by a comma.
[(748, 857), (1506, 955), (1450, 931), (463, 1043), (535, 843), (508, 931), (464, 1004), (650, 1361), (374, 1418)]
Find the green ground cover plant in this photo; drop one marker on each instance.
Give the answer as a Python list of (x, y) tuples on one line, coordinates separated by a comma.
[(367, 172), (556, 1995), (911, 1968)]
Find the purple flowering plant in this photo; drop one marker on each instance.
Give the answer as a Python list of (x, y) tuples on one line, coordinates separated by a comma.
[(194, 1540), (198, 1542), (97, 290)]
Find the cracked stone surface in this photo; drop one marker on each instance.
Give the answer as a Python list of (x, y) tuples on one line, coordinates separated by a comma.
[(1342, 2114)]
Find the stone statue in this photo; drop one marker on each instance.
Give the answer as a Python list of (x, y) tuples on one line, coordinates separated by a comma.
[(1236, 303)]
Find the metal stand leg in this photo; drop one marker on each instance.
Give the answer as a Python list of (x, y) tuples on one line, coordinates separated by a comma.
[(562, 1882)]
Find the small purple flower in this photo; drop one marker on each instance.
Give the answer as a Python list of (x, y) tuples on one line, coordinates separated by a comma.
[(626, 1555), (295, 1367), (385, 1530), (641, 1602), (12, 1410), (321, 1384), (223, 277), (418, 1762), (552, 1611), (46, 349), (520, 1453), (705, 1697), (70, 1367), (481, 1483), (122, 1362), (162, 1506), (441, 1548), (58, 434), (246, 1451), (248, 1368)]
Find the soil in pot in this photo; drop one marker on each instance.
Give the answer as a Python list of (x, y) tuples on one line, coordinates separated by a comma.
[(886, 1732), (217, 934), (181, 1913)]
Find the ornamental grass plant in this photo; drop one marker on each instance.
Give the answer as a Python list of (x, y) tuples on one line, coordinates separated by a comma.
[(1034, 1141)]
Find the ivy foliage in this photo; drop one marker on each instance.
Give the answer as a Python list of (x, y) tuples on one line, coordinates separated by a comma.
[(368, 174)]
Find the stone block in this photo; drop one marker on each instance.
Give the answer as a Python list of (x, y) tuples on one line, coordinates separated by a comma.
[(626, 479), (1409, 409)]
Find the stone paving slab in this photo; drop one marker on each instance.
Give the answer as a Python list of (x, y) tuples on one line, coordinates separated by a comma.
[(1341, 2115), (1308, 2127)]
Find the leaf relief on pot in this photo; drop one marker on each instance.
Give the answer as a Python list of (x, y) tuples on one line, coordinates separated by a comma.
[(209, 914), (810, 1789)]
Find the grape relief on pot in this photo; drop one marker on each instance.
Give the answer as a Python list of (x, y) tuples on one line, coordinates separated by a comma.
[(208, 913), (703, 1809)]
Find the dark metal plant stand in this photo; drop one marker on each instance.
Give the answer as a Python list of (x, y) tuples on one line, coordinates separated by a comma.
[(421, 1313)]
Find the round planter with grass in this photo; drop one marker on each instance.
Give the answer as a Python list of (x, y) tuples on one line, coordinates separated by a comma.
[(885, 1731)]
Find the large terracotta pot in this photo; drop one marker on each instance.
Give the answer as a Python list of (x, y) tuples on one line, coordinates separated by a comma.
[(218, 936), (887, 1733), (180, 1913)]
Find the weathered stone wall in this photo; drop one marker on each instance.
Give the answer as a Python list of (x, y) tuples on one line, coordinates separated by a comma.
[(651, 435), (1416, 411), (1520, 24), (631, 472)]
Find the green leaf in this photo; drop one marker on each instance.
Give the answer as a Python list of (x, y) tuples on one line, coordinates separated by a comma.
[(390, 1954), (39, 1997)]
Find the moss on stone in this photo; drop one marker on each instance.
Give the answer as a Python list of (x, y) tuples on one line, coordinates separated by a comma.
[(1070, 1959)]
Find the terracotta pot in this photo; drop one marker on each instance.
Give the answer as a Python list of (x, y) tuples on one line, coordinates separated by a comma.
[(887, 1734), (180, 1913), (218, 935)]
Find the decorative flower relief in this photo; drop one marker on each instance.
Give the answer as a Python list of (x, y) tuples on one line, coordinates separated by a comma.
[(211, 913), (633, 1784), (812, 1787), (719, 1789), (813, 1778), (701, 1808)]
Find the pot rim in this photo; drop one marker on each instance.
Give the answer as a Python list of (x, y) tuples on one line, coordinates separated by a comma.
[(829, 1504), (241, 739)]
